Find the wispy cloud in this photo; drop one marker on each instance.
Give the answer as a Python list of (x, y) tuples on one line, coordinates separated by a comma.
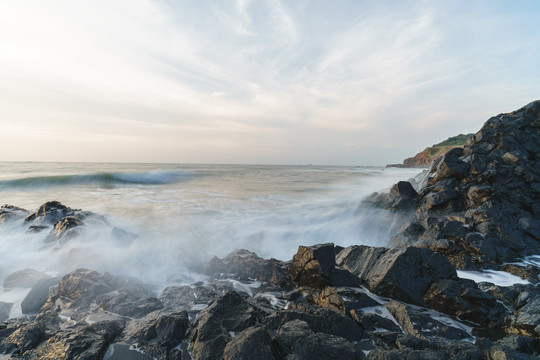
[(283, 81)]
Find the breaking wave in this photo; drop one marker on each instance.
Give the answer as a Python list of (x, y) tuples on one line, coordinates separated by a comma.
[(158, 177)]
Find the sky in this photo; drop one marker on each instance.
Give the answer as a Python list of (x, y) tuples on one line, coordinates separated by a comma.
[(342, 82)]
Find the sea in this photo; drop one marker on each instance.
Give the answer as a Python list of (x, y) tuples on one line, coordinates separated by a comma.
[(181, 215)]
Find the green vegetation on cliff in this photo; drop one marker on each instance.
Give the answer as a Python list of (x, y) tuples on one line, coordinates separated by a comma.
[(426, 157)]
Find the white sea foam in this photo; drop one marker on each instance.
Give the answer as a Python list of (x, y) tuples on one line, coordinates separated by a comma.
[(500, 278)]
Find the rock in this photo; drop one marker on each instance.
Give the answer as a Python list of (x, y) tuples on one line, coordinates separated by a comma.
[(211, 331), (23, 339), (252, 343), (9, 213), (296, 340), (330, 299), (320, 320), (463, 299), (82, 290), (492, 183), (5, 308), (65, 229), (510, 159), (402, 274), (188, 298), (86, 342), (527, 321), (158, 333), (38, 295), (248, 265), (49, 213), (312, 265), (417, 323), (24, 278)]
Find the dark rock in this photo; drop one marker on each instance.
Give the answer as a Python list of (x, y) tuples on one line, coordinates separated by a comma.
[(211, 331), (297, 341), (65, 229), (49, 213), (492, 185), (158, 332), (420, 324), (312, 265), (252, 343), (463, 299), (248, 265), (10, 213), (403, 274), (23, 339), (187, 297), (24, 278), (87, 342), (320, 320), (34, 229), (38, 295), (527, 320)]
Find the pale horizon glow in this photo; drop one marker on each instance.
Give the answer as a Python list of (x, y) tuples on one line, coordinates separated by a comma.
[(262, 82)]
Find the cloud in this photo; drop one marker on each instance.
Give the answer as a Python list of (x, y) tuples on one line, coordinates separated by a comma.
[(248, 77)]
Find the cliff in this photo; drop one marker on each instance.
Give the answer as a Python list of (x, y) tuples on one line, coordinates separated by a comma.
[(430, 154)]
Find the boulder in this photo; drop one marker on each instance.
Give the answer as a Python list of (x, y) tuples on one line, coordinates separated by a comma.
[(418, 323), (38, 295), (49, 213), (402, 274), (9, 213), (252, 343), (228, 314), (296, 340), (315, 267), (247, 265), (65, 229), (158, 332), (85, 342)]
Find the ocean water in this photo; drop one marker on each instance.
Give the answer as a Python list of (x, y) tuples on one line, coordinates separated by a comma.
[(185, 214)]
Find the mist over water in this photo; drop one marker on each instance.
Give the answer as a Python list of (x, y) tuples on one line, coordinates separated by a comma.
[(185, 214)]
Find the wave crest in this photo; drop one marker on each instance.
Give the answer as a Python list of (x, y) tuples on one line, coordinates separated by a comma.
[(158, 177)]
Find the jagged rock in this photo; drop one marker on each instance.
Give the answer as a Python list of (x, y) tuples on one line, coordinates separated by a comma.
[(320, 320), (158, 333), (247, 264), (527, 320), (403, 274), (83, 291), (86, 342), (211, 331), (252, 343), (312, 265), (465, 300), (24, 338), (24, 278), (49, 213), (297, 341), (417, 323), (330, 299), (188, 298), (493, 184), (411, 347), (38, 295), (65, 229), (9, 213)]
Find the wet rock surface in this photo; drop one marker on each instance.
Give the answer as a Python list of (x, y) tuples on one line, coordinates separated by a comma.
[(478, 205)]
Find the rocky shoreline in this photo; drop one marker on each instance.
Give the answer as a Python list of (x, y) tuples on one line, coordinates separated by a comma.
[(477, 208)]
